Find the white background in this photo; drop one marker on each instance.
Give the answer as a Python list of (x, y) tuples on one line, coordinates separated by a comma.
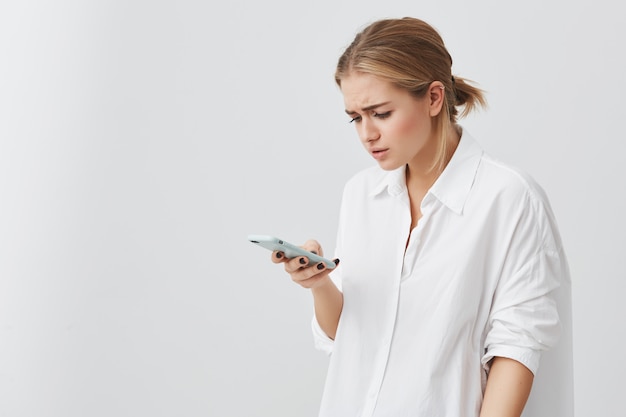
[(141, 141)]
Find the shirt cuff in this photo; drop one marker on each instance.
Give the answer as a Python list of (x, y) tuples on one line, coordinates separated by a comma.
[(528, 357), (320, 338)]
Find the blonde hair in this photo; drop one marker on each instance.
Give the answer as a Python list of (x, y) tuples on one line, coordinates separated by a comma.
[(410, 54)]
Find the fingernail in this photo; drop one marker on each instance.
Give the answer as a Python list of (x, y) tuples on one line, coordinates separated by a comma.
[(279, 255), (320, 266), (315, 252), (336, 261), (302, 261)]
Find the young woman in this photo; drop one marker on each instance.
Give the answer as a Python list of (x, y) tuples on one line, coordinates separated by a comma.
[(451, 261)]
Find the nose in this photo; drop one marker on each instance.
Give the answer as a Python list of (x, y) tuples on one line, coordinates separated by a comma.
[(368, 131)]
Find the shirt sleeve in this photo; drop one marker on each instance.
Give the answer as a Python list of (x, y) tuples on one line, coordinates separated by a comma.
[(321, 340), (524, 320)]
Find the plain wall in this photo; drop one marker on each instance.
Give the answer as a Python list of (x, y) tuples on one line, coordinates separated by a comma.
[(142, 141)]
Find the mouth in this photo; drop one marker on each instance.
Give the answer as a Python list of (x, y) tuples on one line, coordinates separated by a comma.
[(378, 153)]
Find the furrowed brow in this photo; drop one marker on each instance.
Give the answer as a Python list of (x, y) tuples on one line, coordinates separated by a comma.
[(368, 108)]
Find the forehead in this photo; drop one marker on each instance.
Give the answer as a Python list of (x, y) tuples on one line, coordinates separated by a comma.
[(361, 90)]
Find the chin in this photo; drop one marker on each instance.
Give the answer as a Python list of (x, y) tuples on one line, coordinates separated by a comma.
[(389, 166)]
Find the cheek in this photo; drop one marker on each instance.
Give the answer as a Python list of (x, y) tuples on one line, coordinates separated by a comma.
[(408, 127)]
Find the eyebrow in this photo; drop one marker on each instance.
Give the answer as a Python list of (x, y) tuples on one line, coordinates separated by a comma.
[(372, 107)]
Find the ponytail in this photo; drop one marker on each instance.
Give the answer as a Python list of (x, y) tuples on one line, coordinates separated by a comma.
[(467, 96)]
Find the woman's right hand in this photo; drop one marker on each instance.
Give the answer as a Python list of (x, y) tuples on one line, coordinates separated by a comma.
[(300, 271)]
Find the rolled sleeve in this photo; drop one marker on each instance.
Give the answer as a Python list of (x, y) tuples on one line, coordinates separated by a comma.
[(524, 319), (320, 338)]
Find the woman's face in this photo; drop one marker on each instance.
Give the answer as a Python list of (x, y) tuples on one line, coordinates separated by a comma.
[(394, 127)]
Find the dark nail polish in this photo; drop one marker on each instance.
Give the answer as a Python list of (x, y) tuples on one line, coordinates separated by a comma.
[(302, 261), (336, 261), (320, 266), (279, 255), (315, 252)]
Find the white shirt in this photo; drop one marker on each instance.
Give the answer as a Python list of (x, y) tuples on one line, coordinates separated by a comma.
[(484, 274)]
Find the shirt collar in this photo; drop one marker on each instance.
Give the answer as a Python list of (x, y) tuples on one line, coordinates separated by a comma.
[(392, 181), (455, 182)]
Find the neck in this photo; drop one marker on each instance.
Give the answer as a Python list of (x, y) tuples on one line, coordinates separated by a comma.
[(421, 174)]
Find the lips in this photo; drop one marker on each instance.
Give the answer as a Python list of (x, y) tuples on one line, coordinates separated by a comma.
[(379, 153)]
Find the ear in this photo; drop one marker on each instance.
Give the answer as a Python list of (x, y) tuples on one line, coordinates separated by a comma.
[(436, 94)]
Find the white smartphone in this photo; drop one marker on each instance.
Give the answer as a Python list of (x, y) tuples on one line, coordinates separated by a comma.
[(290, 250)]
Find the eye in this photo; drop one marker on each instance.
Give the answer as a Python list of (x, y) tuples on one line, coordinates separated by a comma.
[(382, 115), (355, 119)]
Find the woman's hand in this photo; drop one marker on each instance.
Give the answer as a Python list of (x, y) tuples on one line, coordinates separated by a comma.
[(327, 299), (301, 273)]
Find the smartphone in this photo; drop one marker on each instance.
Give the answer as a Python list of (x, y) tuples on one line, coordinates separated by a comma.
[(290, 250)]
